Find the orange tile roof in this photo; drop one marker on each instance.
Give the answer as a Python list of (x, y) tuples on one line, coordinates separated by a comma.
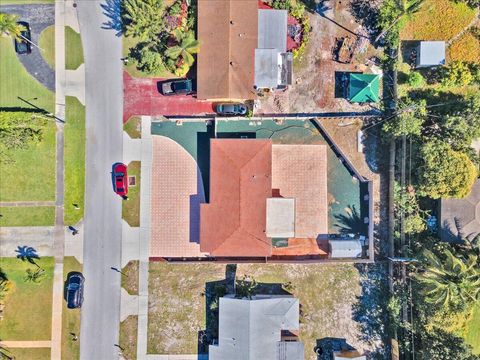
[(234, 222), (228, 34)]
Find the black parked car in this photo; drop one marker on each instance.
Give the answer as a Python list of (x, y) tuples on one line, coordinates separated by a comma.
[(22, 46), (75, 282), (175, 87)]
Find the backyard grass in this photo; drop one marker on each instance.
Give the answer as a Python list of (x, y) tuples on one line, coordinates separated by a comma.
[(17, 82), (133, 127), (27, 216), (465, 48), (30, 353), (47, 43), (131, 207), (424, 25), (327, 293), (31, 175), (128, 337), (73, 49), (130, 277), (74, 160), (472, 336), (70, 317), (28, 306)]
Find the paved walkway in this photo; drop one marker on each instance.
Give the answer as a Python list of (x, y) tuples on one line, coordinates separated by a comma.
[(130, 243), (39, 16), (144, 241), (27, 203), (75, 83), (128, 305), (141, 97), (38, 237), (59, 234), (25, 344), (74, 243)]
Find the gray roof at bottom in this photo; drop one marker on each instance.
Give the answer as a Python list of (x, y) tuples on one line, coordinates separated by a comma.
[(272, 29), (251, 329)]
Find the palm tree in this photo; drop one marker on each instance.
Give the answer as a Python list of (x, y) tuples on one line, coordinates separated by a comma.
[(34, 276), (450, 282), (405, 8), (143, 19), (186, 47), (10, 27), (27, 253)]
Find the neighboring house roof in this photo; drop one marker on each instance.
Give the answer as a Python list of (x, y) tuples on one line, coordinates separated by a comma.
[(465, 212), (272, 29), (431, 53), (344, 248), (363, 88), (234, 222), (251, 329), (228, 34)]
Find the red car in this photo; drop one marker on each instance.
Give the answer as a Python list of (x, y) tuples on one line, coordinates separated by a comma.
[(120, 179)]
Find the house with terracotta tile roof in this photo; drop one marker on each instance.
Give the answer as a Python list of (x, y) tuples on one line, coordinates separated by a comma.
[(243, 48), (261, 193)]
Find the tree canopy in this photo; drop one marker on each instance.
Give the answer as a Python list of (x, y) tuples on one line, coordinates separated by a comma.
[(444, 172)]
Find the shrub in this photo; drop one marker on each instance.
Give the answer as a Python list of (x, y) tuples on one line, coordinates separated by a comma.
[(148, 59), (458, 73), (415, 79)]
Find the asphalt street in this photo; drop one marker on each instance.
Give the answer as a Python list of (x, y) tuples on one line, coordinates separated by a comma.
[(102, 226)]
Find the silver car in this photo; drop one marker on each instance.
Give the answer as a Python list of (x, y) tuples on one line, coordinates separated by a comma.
[(231, 109)]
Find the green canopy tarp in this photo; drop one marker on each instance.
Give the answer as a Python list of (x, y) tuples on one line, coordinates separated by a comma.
[(363, 88)]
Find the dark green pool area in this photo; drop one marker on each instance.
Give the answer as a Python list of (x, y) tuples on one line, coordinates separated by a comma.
[(347, 206)]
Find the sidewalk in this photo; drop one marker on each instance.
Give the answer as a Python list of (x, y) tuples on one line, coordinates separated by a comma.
[(25, 344)]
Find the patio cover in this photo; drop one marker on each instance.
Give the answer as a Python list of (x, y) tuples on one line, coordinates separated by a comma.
[(431, 53), (344, 248), (272, 29), (363, 88), (266, 68)]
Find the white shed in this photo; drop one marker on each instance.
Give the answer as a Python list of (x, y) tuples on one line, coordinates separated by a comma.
[(345, 248), (431, 53)]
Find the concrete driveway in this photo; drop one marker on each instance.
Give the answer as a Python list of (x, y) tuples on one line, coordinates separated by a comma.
[(143, 98), (39, 16)]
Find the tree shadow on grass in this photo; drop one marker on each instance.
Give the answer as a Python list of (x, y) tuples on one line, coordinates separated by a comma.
[(113, 9), (370, 311)]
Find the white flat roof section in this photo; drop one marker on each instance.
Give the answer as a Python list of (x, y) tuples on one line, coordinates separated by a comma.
[(272, 29), (280, 218), (432, 53), (266, 68), (343, 248)]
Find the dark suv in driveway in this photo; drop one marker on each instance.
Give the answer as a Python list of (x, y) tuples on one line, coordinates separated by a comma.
[(74, 289), (22, 46), (176, 87)]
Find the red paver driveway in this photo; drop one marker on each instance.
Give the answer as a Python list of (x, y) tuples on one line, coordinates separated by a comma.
[(141, 97)]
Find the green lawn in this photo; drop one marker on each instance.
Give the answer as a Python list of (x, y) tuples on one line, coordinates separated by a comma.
[(28, 306), (473, 331), (30, 354), (70, 317), (27, 216), (47, 43), (17, 82), (424, 25), (73, 49), (128, 337), (31, 176), (130, 277), (131, 207), (133, 127), (74, 160)]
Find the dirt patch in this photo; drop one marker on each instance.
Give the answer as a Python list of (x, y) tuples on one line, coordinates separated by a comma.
[(128, 337), (313, 90), (130, 277)]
